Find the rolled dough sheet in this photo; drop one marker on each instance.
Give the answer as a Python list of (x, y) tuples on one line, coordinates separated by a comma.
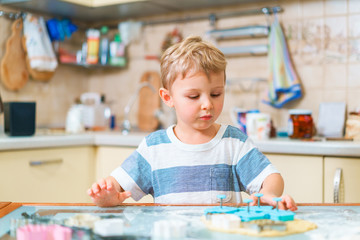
[(293, 227)]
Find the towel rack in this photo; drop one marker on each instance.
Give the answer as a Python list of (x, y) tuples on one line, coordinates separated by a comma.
[(11, 15), (229, 33), (215, 16), (245, 32), (254, 50)]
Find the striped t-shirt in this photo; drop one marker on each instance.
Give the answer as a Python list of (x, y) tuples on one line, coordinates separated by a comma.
[(175, 172)]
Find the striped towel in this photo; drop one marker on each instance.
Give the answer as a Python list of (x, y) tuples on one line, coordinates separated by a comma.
[(284, 85)]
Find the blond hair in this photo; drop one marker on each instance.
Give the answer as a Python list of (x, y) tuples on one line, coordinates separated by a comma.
[(190, 56)]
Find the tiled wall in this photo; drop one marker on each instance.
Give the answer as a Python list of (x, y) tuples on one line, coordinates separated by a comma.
[(323, 37)]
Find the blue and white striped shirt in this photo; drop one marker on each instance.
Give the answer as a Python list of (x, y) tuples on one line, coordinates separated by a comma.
[(175, 172)]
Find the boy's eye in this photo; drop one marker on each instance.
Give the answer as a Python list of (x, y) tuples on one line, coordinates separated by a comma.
[(216, 94), (193, 96)]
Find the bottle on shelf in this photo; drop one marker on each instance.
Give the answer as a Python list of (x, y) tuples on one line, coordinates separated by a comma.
[(104, 45), (117, 52), (93, 38)]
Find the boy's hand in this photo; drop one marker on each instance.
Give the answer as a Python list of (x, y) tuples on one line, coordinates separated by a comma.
[(107, 193), (287, 202)]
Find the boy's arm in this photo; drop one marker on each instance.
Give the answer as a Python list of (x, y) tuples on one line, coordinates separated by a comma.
[(107, 193), (273, 186)]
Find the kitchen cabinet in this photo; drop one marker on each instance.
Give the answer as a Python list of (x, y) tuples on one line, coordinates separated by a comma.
[(303, 176), (109, 158), (47, 175), (342, 178)]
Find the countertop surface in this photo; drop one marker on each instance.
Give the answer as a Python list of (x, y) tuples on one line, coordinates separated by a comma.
[(44, 139), (332, 222)]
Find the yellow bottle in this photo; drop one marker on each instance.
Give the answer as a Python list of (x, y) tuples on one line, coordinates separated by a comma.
[(93, 37)]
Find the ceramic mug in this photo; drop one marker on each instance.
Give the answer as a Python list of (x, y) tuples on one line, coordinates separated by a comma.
[(258, 126)]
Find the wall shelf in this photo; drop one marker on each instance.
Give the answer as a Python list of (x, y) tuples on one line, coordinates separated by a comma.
[(93, 66)]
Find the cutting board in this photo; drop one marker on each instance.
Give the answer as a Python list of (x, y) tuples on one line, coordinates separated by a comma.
[(13, 65), (149, 102)]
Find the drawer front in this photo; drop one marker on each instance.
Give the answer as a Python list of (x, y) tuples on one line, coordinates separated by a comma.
[(47, 175)]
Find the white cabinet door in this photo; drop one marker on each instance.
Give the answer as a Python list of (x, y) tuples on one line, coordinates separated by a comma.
[(342, 178), (47, 175), (303, 176), (109, 158)]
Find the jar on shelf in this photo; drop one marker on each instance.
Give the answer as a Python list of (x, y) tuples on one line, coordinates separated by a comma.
[(300, 124)]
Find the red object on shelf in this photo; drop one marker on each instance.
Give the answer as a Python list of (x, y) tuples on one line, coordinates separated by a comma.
[(66, 57)]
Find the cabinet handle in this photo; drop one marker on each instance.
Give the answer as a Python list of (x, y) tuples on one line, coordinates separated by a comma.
[(337, 181), (45, 162)]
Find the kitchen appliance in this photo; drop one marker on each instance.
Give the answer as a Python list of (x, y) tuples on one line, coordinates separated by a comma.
[(19, 118), (95, 112)]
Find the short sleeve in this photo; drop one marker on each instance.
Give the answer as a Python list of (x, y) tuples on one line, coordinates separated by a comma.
[(134, 175), (252, 169)]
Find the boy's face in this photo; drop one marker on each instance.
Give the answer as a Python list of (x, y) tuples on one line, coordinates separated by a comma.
[(198, 99)]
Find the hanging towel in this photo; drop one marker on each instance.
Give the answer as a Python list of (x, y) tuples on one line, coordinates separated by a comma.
[(39, 49), (284, 85)]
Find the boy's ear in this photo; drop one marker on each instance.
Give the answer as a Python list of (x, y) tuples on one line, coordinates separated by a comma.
[(165, 97)]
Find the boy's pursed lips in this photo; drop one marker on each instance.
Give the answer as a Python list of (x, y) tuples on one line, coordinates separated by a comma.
[(206, 117)]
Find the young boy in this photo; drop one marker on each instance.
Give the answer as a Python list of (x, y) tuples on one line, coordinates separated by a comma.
[(196, 159)]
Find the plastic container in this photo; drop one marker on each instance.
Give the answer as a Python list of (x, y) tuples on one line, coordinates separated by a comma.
[(74, 119), (300, 124), (103, 115), (104, 45), (93, 38)]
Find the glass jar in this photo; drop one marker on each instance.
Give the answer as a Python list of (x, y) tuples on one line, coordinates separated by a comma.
[(300, 124)]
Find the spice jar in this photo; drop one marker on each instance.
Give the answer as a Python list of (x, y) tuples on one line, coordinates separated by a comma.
[(300, 124)]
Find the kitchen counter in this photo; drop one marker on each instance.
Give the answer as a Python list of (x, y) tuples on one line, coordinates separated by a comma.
[(276, 145), (333, 221)]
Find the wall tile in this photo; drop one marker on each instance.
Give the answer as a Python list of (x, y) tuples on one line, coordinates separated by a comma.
[(312, 41), (354, 50), (335, 76), (354, 6), (353, 103), (293, 10), (354, 26), (335, 7), (334, 95), (312, 8), (311, 76), (354, 76), (335, 39)]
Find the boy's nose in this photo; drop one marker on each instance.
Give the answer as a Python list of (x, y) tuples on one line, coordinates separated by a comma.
[(206, 103)]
